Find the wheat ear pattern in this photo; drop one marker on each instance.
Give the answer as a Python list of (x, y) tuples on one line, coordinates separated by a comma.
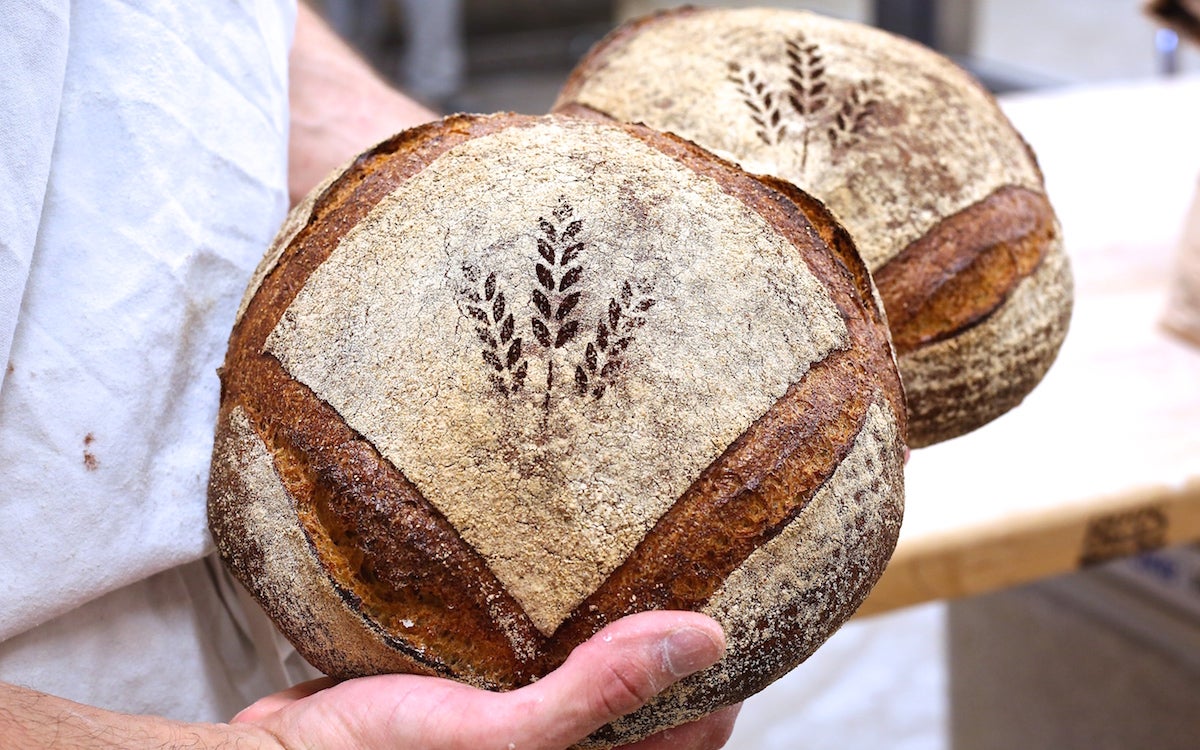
[(761, 101), (495, 327), (806, 86), (844, 116), (602, 360), (853, 118), (555, 323)]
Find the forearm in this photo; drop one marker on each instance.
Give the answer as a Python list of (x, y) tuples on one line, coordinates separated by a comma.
[(31, 720), (339, 106)]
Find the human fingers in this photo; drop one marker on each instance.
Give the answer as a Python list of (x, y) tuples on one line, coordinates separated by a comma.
[(613, 673), (708, 733), (610, 675), (276, 701)]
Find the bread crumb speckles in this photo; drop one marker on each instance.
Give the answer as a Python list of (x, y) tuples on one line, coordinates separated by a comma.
[(380, 334)]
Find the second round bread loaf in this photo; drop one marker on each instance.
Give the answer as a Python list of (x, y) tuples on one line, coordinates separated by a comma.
[(942, 196)]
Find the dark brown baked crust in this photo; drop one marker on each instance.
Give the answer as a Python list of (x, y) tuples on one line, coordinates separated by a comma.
[(397, 562)]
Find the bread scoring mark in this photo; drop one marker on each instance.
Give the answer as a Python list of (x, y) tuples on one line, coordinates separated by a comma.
[(258, 533), (966, 267), (957, 384), (764, 479), (250, 377), (391, 557), (315, 243), (294, 222), (555, 293), (796, 589), (947, 144), (816, 572)]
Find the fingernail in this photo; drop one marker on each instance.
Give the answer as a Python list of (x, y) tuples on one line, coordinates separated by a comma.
[(689, 650)]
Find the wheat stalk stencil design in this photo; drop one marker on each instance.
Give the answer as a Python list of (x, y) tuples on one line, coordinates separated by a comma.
[(844, 116), (761, 101), (555, 325), (495, 327), (603, 360), (806, 86), (555, 294), (853, 118)]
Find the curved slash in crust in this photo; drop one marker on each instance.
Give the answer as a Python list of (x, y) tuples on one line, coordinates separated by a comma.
[(762, 482), (964, 269), (390, 553), (768, 475)]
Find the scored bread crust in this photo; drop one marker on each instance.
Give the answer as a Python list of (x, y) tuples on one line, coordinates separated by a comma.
[(360, 562), (942, 196)]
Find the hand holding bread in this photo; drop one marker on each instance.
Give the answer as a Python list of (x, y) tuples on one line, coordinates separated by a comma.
[(607, 676)]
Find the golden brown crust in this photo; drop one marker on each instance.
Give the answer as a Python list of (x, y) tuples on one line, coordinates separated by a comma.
[(399, 569), (768, 475), (317, 454), (259, 535), (817, 546), (965, 267)]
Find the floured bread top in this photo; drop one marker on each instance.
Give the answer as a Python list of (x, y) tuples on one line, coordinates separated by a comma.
[(553, 360), (892, 136)]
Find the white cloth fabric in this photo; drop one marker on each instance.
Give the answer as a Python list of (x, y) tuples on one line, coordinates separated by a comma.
[(187, 644), (143, 170)]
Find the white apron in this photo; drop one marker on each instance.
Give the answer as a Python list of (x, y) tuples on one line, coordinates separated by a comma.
[(142, 173)]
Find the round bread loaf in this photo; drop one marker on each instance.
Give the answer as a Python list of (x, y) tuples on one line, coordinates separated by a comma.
[(942, 196), (507, 379)]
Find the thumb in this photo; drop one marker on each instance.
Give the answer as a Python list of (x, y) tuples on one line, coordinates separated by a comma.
[(613, 673)]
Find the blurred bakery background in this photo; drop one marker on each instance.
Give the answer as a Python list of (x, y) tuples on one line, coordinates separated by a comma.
[(1005, 645), (500, 55)]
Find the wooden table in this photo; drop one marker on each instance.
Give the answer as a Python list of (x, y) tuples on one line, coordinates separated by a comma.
[(1103, 459)]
